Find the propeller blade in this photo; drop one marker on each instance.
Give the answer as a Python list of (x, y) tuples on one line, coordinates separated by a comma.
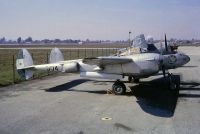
[(166, 48)]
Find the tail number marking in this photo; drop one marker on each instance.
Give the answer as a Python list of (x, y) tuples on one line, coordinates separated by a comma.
[(51, 69)]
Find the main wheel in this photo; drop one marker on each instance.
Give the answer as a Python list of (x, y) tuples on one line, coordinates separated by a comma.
[(172, 86), (118, 88)]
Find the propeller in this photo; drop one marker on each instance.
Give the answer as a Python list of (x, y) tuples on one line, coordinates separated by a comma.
[(166, 49)]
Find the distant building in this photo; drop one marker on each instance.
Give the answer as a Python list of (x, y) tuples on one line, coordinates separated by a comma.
[(80, 42)]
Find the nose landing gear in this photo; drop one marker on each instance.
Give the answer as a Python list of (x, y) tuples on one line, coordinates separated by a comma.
[(173, 82)]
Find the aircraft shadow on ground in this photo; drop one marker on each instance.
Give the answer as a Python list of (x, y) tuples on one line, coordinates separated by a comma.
[(189, 86), (67, 86), (70, 85), (153, 97)]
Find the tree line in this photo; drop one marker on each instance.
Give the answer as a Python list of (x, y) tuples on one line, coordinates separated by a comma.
[(28, 40)]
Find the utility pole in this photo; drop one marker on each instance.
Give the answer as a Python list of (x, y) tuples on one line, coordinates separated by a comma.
[(129, 34)]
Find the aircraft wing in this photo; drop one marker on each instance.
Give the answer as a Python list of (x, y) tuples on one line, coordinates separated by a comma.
[(102, 61)]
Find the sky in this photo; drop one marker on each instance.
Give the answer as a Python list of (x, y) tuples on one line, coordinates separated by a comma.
[(99, 19)]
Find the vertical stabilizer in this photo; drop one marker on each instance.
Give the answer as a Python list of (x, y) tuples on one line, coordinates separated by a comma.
[(140, 42), (56, 56), (23, 63)]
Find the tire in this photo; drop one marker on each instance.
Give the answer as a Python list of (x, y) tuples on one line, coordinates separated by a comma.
[(178, 81), (118, 88), (172, 86), (174, 83)]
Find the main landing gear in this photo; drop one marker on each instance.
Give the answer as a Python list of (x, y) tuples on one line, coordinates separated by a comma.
[(118, 88), (173, 82)]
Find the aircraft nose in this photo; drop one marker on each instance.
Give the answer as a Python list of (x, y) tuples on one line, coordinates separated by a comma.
[(187, 58)]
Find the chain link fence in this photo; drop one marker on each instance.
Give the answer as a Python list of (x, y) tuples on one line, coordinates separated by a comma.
[(8, 72)]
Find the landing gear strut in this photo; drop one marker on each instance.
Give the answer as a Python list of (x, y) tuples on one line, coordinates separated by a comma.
[(118, 88), (132, 79)]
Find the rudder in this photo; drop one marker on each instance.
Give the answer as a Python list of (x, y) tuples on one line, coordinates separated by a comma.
[(56, 56), (24, 63)]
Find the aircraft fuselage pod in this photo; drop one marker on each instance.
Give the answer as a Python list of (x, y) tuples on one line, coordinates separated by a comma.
[(139, 65)]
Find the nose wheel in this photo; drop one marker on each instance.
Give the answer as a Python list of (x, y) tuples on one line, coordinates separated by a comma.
[(174, 82), (118, 88)]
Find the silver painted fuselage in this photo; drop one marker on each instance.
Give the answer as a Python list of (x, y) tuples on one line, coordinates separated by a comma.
[(141, 65)]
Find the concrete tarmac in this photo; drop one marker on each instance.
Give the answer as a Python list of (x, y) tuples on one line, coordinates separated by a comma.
[(68, 104)]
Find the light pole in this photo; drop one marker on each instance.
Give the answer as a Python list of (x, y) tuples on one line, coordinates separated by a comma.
[(129, 38)]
